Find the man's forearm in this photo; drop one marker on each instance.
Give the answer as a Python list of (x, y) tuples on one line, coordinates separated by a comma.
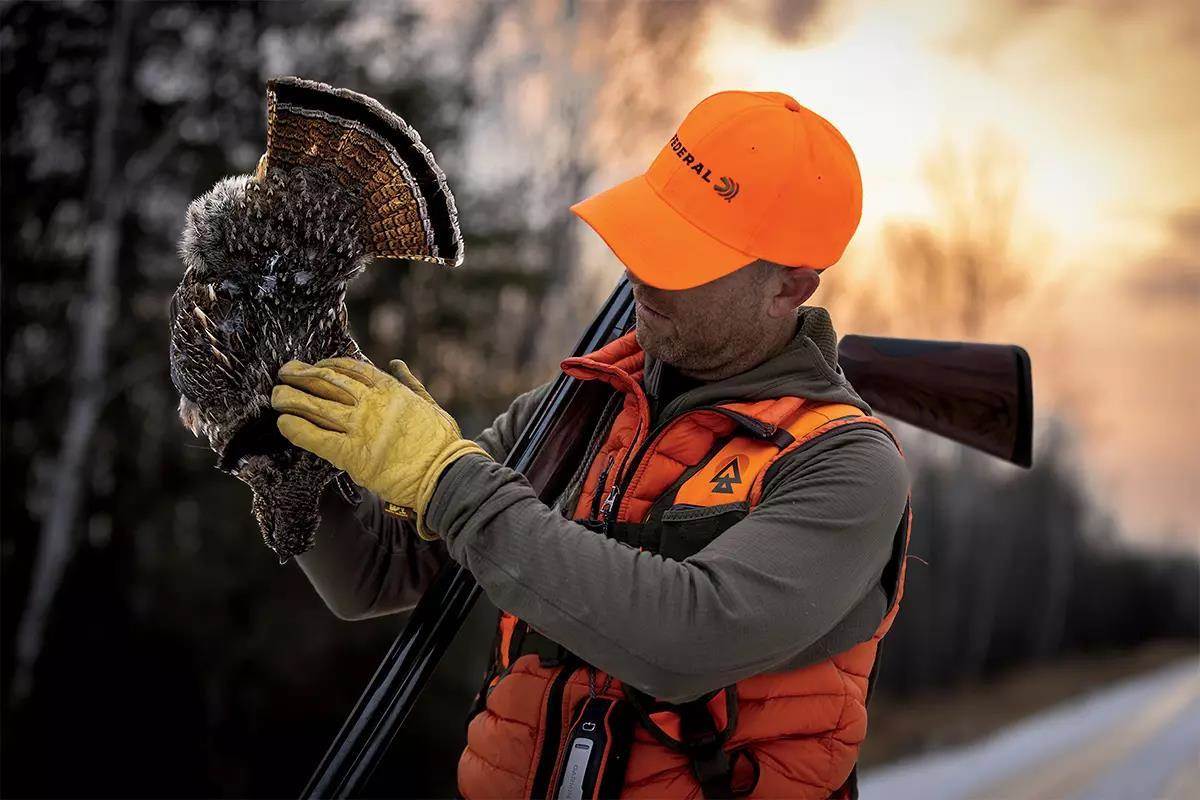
[(366, 562)]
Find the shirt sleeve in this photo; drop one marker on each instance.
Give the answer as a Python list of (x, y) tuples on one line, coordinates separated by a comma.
[(759, 596), (367, 563)]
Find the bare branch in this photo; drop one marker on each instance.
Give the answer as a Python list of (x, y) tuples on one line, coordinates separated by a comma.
[(107, 202)]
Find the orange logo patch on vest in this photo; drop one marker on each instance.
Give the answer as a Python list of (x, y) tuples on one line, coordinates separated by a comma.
[(728, 475)]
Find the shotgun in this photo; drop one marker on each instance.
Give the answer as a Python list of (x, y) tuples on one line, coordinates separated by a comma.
[(975, 394)]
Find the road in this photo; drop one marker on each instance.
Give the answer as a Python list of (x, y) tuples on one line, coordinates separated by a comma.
[(1136, 739)]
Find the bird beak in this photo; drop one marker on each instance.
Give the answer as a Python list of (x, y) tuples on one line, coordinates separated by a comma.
[(260, 171)]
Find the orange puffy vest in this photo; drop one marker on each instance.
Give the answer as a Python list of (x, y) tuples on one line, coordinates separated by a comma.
[(672, 490)]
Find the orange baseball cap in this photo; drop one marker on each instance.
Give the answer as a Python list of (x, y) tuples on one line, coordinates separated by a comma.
[(748, 175)]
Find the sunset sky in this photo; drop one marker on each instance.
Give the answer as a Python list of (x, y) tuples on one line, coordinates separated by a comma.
[(1087, 111), (1095, 105)]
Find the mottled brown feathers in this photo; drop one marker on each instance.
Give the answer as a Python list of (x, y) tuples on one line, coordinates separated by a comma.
[(266, 264)]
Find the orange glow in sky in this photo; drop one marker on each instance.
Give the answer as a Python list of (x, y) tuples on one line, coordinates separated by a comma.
[(1096, 105)]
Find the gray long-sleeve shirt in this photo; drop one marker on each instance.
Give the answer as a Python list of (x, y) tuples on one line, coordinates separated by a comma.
[(794, 582)]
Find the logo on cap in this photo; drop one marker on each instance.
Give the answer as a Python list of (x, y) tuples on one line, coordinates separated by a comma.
[(689, 159), (727, 188)]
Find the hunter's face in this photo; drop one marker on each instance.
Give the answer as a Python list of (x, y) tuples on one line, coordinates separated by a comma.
[(703, 328)]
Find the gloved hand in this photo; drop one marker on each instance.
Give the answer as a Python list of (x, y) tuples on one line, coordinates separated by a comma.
[(386, 432)]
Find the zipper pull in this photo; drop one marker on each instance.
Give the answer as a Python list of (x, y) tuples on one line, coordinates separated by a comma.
[(599, 486), (607, 507)]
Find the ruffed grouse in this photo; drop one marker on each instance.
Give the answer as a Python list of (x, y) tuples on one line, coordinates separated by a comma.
[(267, 259)]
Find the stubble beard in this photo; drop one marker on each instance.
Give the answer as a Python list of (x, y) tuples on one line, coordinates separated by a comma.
[(717, 349), (678, 351)]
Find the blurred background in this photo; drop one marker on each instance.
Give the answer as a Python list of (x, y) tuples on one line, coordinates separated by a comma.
[(1031, 176)]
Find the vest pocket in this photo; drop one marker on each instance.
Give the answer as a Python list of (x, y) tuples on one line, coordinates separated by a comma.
[(687, 529)]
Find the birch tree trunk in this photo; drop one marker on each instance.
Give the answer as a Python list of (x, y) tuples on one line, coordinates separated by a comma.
[(87, 380)]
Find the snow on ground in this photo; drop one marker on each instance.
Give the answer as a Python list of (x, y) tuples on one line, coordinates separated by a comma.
[(1136, 739)]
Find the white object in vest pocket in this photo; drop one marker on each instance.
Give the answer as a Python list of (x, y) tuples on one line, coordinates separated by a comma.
[(572, 785)]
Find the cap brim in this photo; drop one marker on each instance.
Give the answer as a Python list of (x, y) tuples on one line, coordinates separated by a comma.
[(653, 241)]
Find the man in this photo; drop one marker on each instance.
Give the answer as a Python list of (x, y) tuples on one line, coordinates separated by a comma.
[(710, 590)]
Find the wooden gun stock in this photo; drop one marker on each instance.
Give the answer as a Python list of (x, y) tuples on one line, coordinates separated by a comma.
[(980, 395)]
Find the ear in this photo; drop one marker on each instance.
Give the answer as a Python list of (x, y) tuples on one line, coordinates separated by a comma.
[(796, 285)]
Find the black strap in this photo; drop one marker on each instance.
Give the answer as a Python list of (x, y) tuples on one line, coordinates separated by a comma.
[(782, 438), (493, 669), (703, 745)]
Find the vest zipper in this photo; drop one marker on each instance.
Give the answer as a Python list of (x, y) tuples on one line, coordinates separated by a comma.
[(596, 507), (608, 517)]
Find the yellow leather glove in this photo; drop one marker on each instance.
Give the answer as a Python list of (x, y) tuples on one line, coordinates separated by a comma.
[(386, 432)]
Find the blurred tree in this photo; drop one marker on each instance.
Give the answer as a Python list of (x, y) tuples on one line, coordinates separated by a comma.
[(961, 269), (106, 201), (570, 95), (964, 266)]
